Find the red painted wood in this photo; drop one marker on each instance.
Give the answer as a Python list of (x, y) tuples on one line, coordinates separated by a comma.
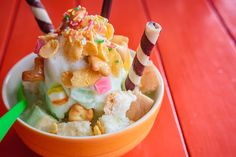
[(199, 59), (226, 9), (7, 14), (92, 7), (165, 137)]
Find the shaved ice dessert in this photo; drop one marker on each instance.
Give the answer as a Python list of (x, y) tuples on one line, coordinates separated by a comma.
[(76, 87)]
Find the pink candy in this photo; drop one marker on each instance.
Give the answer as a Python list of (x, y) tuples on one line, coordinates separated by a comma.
[(103, 85), (90, 23), (38, 46), (73, 24)]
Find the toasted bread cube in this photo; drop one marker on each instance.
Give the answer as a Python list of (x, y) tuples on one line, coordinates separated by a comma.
[(78, 128), (139, 107), (149, 80)]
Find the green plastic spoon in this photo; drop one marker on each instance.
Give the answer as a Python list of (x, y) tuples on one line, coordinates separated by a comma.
[(7, 120)]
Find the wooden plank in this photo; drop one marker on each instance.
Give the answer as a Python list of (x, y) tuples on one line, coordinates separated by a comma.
[(165, 137), (199, 59), (7, 16), (226, 11), (21, 43)]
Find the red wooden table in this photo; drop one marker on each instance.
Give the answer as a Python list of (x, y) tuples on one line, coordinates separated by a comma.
[(196, 55)]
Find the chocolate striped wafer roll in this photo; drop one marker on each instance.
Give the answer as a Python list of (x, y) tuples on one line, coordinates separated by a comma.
[(141, 59), (106, 8), (41, 16)]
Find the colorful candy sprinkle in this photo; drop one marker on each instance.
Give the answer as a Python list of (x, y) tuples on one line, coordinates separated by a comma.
[(40, 43), (99, 41), (76, 9), (67, 17), (57, 95), (90, 23)]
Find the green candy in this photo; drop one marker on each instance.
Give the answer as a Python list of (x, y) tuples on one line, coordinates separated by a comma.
[(117, 61), (67, 17), (76, 9), (99, 41)]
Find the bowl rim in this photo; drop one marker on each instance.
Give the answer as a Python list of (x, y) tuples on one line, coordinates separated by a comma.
[(156, 105)]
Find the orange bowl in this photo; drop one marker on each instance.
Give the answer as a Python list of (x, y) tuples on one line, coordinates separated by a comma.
[(50, 145)]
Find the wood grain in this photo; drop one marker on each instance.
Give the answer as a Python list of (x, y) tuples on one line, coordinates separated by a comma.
[(227, 12), (199, 59)]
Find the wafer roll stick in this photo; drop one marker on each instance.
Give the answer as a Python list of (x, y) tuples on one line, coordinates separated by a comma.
[(141, 59), (41, 16), (106, 8)]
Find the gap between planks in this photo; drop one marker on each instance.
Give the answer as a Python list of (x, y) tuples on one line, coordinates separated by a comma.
[(9, 34), (221, 20), (168, 89)]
